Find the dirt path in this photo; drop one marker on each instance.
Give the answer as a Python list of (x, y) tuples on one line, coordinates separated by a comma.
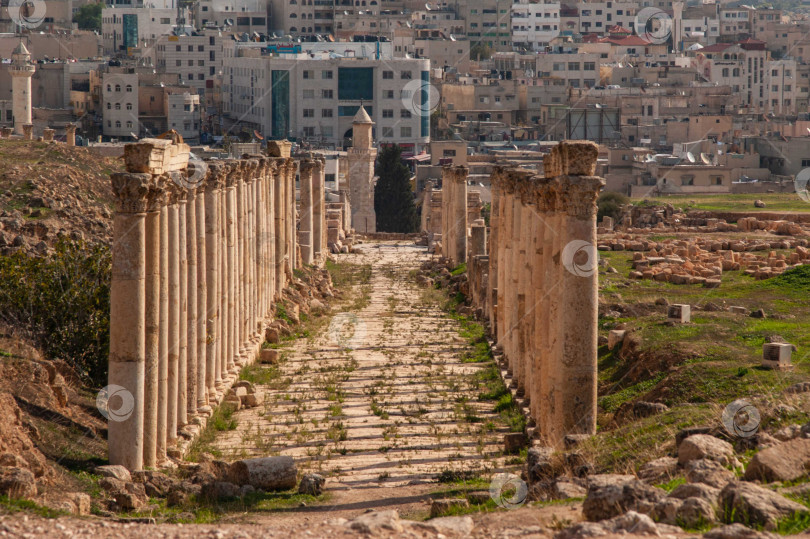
[(379, 401)]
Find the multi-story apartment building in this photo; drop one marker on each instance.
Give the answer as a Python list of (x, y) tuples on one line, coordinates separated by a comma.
[(313, 95), (534, 25), (781, 82), (237, 15), (741, 66), (488, 22), (124, 27), (197, 59), (119, 92)]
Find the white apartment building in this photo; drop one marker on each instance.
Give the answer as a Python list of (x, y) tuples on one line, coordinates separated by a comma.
[(308, 17), (120, 104), (197, 59), (124, 27), (578, 70), (313, 96), (782, 86), (534, 25), (597, 17)]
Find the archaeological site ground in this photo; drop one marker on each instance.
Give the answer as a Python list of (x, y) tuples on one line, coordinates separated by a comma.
[(213, 349)]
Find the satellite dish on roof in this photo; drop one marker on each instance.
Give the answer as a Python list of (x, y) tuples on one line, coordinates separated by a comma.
[(705, 158), (228, 22), (690, 157), (452, 37)]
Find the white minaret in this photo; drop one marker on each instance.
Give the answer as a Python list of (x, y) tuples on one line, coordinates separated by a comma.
[(361, 157), (21, 71)]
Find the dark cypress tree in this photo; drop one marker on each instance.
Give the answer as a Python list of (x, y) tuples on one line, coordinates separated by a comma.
[(393, 197)]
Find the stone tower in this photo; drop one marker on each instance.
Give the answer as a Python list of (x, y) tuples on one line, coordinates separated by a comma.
[(361, 157), (21, 71)]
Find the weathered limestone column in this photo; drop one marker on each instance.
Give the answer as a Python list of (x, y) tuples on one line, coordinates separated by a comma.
[(305, 235), (319, 212), (152, 324), (271, 230), (202, 298), (525, 292), (70, 135), (232, 268), (494, 249), (127, 320), (182, 365), (239, 274), (505, 262), (28, 131), (578, 192), (174, 322), (163, 372), (47, 135), (213, 189), (552, 245), (539, 374), (514, 302), (478, 239), (191, 303), (278, 216), (292, 239), (459, 224)]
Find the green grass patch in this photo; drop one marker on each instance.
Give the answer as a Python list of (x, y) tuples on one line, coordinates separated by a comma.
[(16, 505)]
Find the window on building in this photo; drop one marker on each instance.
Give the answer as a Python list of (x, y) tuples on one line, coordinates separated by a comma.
[(326, 74), (309, 113), (406, 75), (326, 113), (327, 94), (405, 131), (309, 93), (404, 113), (388, 132), (388, 74), (388, 113), (129, 106)]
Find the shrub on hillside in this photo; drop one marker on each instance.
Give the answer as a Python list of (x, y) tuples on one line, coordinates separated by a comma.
[(62, 303)]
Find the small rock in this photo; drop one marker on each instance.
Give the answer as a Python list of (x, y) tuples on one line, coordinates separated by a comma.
[(737, 531), (269, 356), (696, 490), (630, 523), (219, 490), (377, 522), (783, 462), (17, 483), (603, 502), (513, 442), (703, 446), (695, 513), (666, 510), (114, 470), (754, 505), (312, 484), (708, 472), (659, 470), (759, 313), (759, 204)]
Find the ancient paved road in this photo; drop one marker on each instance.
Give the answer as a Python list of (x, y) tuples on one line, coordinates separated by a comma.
[(379, 401)]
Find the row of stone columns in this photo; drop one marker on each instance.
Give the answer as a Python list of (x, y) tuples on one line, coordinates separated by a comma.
[(47, 133), (312, 197), (454, 213), (197, 265), (542, 287)]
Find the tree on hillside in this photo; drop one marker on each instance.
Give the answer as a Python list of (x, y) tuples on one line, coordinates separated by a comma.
[(393, 198), (88, 17)]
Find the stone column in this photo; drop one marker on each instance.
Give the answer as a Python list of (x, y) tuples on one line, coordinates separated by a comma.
[(212, 241), (182, 366), (70, 135), (174, 324), (513, 301), (478, 239), (278, 216), (28, 131), (152, 323), (127, 320), (191, 303), (553, 345), (291, 219), (47, 135), (239, 274), (504, 279), (202, 299), (232, 267), (578, 192), (163, 372), (459, 225), (319, 212), (540, 230), (270, 234), (495, 247), (305, 235)]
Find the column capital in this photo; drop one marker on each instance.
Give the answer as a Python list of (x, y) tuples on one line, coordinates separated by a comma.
[(524, 188), (215, 178), (545, 194), (307, 166), (132, 191), (577, 195), (455, 173), (574, 158), (252, 166)]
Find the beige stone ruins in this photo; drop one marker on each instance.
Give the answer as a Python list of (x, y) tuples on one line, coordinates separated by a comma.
[(433, 211), (537, 284), (198, 260)]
